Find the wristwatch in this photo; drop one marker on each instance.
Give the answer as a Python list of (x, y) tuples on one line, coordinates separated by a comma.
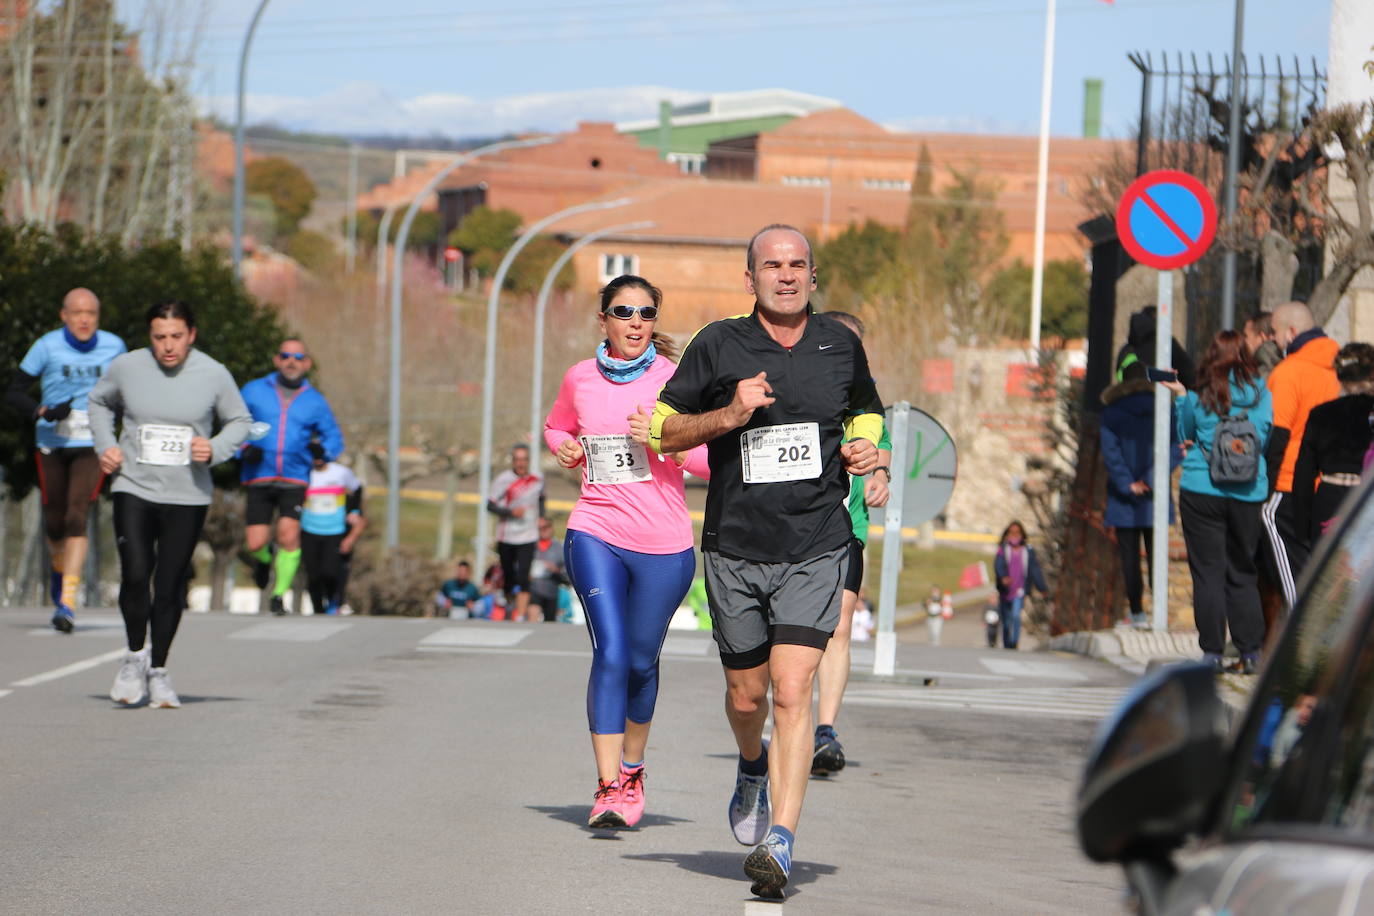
[(886, 470)]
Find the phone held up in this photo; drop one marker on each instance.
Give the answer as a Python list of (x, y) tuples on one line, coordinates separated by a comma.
[(1161, 375)]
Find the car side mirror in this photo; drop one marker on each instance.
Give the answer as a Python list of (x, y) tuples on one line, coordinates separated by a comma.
[(1155, 767)]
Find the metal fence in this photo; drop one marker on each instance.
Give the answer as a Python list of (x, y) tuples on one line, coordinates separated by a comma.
[(1185, 100)]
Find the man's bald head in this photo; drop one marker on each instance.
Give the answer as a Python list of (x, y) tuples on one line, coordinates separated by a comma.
[(81, 313), (80, 296), (1290, 320)]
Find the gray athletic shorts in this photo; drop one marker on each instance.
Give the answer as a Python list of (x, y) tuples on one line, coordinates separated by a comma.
[(755, 606)]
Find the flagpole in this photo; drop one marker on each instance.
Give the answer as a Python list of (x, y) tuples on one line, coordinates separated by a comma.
[(1042, 181)]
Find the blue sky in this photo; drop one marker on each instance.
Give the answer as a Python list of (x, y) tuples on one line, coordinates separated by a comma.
[(484, 67)]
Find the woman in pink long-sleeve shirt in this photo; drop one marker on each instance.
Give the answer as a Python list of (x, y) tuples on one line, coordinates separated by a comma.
[(629, 546)]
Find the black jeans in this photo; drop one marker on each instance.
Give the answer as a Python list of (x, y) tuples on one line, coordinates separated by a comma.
[(155, 546), (1222, 535), (1128, 543)]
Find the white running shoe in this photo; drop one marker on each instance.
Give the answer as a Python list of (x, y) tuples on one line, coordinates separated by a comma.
[(160, 692), (131, 683)]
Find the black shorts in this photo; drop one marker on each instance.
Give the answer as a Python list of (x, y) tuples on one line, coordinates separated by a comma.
[(854, 578), (516, 560), (262, 500)]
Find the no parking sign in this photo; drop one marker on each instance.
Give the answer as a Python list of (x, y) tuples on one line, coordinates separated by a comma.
[(1166, 219)]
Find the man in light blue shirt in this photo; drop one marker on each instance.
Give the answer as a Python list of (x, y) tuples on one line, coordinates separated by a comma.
[(66, 363)]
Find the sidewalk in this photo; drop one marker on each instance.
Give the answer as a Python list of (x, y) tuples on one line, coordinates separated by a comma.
[(1139, 651)]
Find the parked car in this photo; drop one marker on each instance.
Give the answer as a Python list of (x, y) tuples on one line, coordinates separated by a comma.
[(1274, 813)]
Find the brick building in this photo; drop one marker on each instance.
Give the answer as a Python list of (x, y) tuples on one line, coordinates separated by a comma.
[(590, 162)]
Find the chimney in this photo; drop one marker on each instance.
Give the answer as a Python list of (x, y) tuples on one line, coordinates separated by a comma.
[(665, 128), (1092, 108)]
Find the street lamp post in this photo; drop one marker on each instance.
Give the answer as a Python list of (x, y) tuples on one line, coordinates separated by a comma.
[(383, 228), (537, 383), (489, 376), (393, 438), (238, 144)]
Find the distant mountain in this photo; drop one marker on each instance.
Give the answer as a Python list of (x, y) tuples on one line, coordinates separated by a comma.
[(365, 109)]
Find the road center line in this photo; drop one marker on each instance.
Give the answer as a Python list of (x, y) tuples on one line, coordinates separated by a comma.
[(73, 668)]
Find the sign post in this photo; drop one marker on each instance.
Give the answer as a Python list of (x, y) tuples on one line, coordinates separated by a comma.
[(924, 463), (1166, 220)]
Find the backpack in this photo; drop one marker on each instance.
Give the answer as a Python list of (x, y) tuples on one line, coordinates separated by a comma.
[(1235, 455)]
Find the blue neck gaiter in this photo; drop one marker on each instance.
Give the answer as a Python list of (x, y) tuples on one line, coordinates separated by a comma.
[(624, 370), (80, 346)]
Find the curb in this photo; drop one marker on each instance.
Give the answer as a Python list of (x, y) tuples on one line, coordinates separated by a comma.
[(1140, 651)]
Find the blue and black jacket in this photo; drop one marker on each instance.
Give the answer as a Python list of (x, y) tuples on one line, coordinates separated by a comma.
[(292, 424)]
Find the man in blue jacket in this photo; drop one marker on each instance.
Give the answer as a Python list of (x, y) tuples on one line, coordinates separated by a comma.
[(1128, 451), (276, 465)]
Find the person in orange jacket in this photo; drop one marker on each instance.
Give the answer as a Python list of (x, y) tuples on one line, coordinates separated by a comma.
[(1304, 378)]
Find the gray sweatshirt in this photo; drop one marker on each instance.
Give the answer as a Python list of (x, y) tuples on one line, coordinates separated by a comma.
[(161, 409)]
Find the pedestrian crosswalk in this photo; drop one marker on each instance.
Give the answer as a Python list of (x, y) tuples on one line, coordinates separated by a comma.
[(992, 685), (1058, 702)]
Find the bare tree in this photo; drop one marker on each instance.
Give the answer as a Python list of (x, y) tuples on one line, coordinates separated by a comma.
[(97, 115), (1284, 201)]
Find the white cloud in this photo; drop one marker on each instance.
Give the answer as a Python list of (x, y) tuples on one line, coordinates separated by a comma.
[(365, 108)]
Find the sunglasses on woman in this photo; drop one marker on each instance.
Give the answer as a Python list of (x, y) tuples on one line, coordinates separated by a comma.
[(626, 312)]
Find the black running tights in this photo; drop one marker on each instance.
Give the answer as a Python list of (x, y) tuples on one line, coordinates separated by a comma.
[(323, 567), (155, 546)]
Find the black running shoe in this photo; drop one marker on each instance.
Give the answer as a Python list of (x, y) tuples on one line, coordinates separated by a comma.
[(262, 572), (278, 607), (828, 757)]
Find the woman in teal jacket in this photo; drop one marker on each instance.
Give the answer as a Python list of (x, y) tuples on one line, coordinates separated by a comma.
[(1221, 521)]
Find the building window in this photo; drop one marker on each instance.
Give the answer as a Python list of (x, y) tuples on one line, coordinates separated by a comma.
[(887, 184), (617, 265), (689, 163), (805, 181)]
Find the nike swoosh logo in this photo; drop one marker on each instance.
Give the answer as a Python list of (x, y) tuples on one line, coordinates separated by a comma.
[(827, 346)]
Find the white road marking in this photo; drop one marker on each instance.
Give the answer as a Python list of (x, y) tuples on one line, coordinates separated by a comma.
[(680, 645), (954, 675), (292, 630), (5, 693), (1059, 702), (1050, 671), (73, 668), (758, 907), (475, 636)]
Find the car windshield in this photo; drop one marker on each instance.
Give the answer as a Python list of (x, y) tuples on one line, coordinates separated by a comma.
[(1311, 760)]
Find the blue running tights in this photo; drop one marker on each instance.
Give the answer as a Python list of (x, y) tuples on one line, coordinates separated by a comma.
[(629, 598)]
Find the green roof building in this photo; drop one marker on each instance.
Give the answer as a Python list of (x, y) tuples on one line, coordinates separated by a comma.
[(683, 132)]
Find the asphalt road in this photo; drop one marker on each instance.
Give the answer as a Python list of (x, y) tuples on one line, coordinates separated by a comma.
[(349, 765)]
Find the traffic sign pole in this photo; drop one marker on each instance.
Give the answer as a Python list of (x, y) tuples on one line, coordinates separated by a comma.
[(885, 639), (1166, 220), (1159, 485)]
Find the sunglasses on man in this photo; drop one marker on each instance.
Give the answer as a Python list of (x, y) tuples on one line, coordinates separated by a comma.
[(299, 357), (626, 312)]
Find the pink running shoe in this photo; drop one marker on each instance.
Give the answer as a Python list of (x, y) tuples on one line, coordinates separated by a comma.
[(632, 794), (606, 811)]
